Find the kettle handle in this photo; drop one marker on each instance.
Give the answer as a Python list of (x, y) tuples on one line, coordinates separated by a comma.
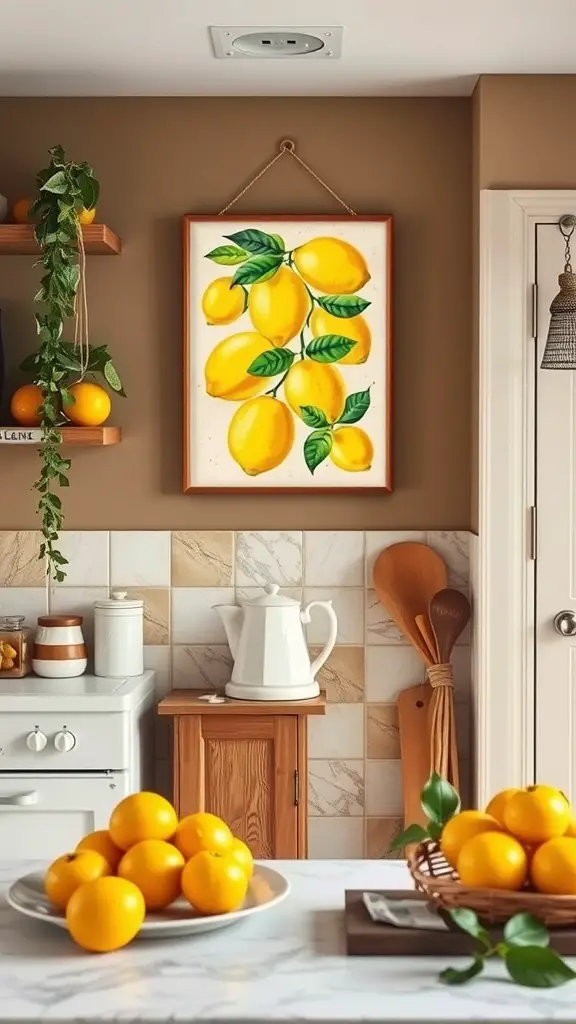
[(329, 645)]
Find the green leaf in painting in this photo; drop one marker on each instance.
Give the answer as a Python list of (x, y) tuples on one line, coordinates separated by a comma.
[(227, 255), (256, 241), (525, 930), (356, 405), (439, 799), (271, 363), (537, 967), (317, 447), (312, 416), (259, 268), (328, 348), (344, 306), (279, 240)]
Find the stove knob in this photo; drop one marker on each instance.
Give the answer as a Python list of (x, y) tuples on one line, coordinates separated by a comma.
[(36, 741), (64, 741)]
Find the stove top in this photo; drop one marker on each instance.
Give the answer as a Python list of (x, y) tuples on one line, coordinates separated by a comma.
[(85, 693)]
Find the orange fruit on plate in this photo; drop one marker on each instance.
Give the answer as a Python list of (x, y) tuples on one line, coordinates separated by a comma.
[(67, 873), (537, 814), (91, 405), (155, 867), (462, 827), (493, 860), (242, 855), (21, 211), (553, 867), (499, 803), (105, 914), (102, 843), (201, 832), (214, 883), (142, 816), (25, 404)]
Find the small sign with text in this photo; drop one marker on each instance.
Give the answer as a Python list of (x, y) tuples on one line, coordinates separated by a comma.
[(19, 435)]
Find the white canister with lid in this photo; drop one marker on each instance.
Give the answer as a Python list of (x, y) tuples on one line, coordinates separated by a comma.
[(119, 636)]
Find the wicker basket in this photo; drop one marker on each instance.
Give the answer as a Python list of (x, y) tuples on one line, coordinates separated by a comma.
[(440, 883)]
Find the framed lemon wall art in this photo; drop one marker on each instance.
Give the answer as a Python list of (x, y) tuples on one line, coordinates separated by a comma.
[(287, 353)]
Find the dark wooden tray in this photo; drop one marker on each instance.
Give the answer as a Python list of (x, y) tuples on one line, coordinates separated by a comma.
[(364, 937)]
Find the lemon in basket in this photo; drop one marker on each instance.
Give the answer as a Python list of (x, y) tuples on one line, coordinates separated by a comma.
[(493, 860), (462, 827)]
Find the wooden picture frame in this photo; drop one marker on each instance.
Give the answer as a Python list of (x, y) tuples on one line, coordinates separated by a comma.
[(310, 439)]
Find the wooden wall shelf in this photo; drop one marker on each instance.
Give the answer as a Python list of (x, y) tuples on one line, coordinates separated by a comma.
[(18, 240), (78, 437)]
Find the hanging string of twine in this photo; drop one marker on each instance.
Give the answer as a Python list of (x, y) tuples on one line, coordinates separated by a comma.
[(442, 728), (287, 146), (81, 336)]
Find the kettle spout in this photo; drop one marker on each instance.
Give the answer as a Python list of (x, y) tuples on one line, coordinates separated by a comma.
[(232, 616)]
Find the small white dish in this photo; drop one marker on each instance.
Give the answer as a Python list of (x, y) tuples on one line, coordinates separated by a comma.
[(267, 889)]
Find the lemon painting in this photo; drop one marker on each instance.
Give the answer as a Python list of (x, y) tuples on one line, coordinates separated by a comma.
[(287, 353)]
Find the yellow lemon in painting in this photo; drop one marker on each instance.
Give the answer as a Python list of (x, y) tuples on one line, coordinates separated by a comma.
[(332, 265), (261, 434), (223, 302), (355, 328), (352, 449), (226, 369), (279, 307), (317, 384)]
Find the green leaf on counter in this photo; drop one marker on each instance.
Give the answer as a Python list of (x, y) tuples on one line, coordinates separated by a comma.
[(356, 406), (525, 930), (452, 976), (258, 242), (537, 967), (343, 305), (259, 268), (439, 800), (312, 416), (271, 362), (328, 348), (317, 448), (468, 921), (227, 255)]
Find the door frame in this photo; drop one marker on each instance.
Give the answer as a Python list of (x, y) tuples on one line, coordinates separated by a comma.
[(504, 571)]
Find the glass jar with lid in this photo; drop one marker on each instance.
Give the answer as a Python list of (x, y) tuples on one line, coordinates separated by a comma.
[(15, 647)]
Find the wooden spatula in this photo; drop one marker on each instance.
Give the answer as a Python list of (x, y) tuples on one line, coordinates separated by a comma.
[(406, 577)]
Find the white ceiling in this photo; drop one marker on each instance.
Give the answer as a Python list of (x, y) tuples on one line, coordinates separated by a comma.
[(390, 47)]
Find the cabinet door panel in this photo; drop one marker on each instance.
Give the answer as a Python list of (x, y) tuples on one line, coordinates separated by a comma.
[(240, 788)]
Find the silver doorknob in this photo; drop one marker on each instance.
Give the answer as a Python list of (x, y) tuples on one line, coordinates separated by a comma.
[(565, 623)]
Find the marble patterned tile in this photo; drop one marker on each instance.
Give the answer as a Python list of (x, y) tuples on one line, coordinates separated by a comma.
[(334, 558), (156, 613), (140, 558), (251, 593), (194, 620), (160, 660), (337, 734), (335, 837), (380, 629), (28, 601), (452, 545), (201, 667), (380, 834), (336, 788), (269, 557), (88, 557), (202, 558), (384, 792), (341, 678), (78, 601), (382, 736), (19, 562), (377, 540), (349, 607), (390, 669)]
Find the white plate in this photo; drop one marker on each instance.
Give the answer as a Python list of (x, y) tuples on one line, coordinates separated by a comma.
[(267, 888)]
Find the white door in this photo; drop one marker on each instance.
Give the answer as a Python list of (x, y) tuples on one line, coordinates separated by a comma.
[(555, 700)]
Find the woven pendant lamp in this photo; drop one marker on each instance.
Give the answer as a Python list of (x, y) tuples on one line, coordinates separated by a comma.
[(560, 350)]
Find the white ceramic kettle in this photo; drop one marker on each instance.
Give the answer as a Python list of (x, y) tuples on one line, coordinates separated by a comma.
[(271, 660)]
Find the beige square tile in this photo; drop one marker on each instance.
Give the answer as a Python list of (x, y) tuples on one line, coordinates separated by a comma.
[(342, 838), (383, 789), (156, 613), (202, 558), (382, 736), (380, 834), (337, 734), (342, 676), (19, 562)]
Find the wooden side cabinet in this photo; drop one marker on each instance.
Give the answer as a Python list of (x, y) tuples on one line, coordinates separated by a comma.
[(247, 763)]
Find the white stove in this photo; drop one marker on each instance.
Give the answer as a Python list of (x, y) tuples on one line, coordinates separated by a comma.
[(70, 749)]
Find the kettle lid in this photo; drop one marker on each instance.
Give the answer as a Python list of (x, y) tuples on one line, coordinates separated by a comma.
[(271, 598)]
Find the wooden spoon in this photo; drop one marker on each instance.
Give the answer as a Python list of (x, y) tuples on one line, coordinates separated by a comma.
[(425, 627), (449, 612), (406, 577)]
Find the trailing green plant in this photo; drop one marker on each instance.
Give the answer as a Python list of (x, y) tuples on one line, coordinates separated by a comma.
[(64, 190)]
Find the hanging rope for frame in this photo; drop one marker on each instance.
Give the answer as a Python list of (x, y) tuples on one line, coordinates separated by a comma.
[(287, 146)]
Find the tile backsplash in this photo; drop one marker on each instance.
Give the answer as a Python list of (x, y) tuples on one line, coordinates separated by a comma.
[(355, 779)]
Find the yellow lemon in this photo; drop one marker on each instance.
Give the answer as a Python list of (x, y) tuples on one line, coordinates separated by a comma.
[(318, 384), (352, 449), (226, 369), (261, 434), (279, 307), (499, 802), (222, 302), (332, 265), (355, 328)]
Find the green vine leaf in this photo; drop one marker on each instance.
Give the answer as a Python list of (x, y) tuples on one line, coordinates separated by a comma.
[(258, 268), (355, 407), (56, 184), (271, 363), (112, 378), (328, 348), (317, 448), (227, 255), (344, 306), (89, 190), (313, 417), (257, 242)]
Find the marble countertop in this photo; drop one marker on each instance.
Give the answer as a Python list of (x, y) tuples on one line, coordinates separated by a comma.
[(288, 965)]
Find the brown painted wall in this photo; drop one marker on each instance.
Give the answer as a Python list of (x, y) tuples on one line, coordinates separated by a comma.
[(160, 158)]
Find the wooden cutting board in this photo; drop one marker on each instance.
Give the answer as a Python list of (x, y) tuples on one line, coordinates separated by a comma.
[(413, 707), (364, 937)]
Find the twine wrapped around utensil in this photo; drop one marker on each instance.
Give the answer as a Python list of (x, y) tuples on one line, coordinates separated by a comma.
[(442, 724)]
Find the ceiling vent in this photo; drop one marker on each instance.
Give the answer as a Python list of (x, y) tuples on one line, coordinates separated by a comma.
[(277, 43)]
